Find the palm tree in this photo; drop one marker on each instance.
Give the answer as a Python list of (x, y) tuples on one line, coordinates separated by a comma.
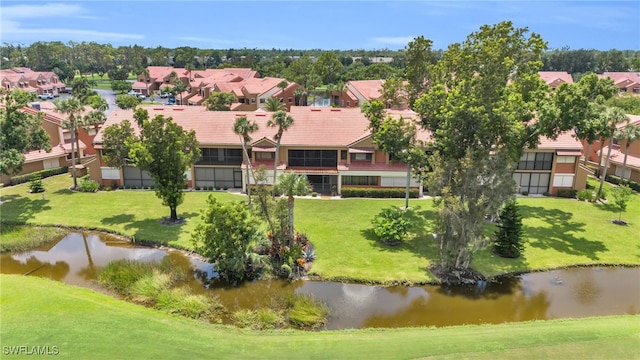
[(293, 184), (147, 77), (614, 116), (629, 133), (94, 119), (179, 86), (273, 104), (243, 128), (283, 122), (283, 85), (72, 108), (300, 97)]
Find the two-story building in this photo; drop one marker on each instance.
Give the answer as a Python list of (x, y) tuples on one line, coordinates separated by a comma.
[(333, 147)]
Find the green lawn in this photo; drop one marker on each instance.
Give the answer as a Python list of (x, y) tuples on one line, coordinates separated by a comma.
[(84, 324), (559, 232)]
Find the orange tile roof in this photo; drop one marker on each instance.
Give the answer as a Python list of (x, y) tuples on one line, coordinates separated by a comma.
[(39, 155), (551, 76), (565, 141), (618, 76), (617, 157), (369, 89)]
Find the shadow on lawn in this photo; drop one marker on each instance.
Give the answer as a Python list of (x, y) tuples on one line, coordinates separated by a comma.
[(148, 230), (559, 232), (21, 209)]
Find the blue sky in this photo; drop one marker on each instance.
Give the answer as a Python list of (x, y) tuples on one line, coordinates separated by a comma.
[(327, 25)]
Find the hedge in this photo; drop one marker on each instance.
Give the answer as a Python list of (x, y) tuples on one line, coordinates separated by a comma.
[(378, 192), (617, 180), (42, 173), (567, 193)]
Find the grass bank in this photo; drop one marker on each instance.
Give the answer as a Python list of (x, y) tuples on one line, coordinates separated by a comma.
[(558, 232), (84, 324), (20, 238)]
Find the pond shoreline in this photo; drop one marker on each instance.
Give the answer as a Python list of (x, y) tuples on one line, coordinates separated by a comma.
[(310, 275)]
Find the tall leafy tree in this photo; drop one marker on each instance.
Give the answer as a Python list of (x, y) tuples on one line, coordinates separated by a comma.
[(73, 108), (613, 116), (393, 92), (228, 237), (127, 101), (20, 132), (166, 151), (244, 128), (220, 101), (328, 68), (629, 134), (479, 111), (292, 184), (116, 143), (283, 122), (419, 60), (147, 78)]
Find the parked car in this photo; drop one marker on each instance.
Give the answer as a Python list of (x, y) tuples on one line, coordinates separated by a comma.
[(45, 96), (136, 94), (165, 95)]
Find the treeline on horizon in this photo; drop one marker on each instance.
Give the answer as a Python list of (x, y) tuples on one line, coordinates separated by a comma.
[(66, 59)]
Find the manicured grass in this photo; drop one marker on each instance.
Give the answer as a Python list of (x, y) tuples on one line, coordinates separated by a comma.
[(559, 232), (84, 324)]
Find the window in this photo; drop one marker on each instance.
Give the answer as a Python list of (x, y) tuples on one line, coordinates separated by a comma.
[(262, 100), (289, 100), (265, 156), (563, 180), (348, 103), (253, 100), (361, 157), (533, 183), (360, 180), (343, 154), (566, 159), (220, 156), (313, 158), (535, 161)]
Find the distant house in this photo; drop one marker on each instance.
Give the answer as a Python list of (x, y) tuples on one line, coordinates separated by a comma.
[(358, 92), (36, 82), (626, 82), (60, 141), (618, 148), (555, 78)]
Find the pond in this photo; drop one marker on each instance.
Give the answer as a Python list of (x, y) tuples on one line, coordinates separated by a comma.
[(577, 292)]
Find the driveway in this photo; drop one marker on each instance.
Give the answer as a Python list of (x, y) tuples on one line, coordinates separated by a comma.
[(110, 97)]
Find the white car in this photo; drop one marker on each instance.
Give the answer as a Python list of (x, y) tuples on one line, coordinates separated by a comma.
[(45, 96)]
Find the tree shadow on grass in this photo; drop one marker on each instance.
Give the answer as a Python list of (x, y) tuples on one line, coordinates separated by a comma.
[(559, 233), (20, 209), (150, 231)]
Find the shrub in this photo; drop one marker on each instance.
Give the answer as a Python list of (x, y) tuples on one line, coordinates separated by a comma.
[(305, 311), (35, 185), (147, 289), (88, 185), (508, 242), (121, 275), (567, 193), (603, 193), (586, 195), (525, 193), (314, 194), (391, 225), (260, 319), (378, 192), (617, 180), (20, 179), (182, 302), (546, 193)]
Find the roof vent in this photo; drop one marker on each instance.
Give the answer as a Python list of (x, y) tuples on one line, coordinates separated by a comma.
[(316, 109), (158, 108), (335, 109), (35, 105), (178, 109), (261, 114)]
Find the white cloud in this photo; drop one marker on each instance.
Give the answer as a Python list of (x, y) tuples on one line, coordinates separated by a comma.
[(17, 24)]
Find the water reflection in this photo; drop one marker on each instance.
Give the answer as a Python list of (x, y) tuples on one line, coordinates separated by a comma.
[(577, 292)]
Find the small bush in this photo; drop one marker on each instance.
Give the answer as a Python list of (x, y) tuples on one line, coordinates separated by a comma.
[(391, 225), (567, 193), (603, 193), (307, 312), (35, 185), (617, 180), (525, 193), (546, 193), (147, 289), (261, 319), (586, 195), (182, 302), (314, 194), (121, 275), (88, 185)]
